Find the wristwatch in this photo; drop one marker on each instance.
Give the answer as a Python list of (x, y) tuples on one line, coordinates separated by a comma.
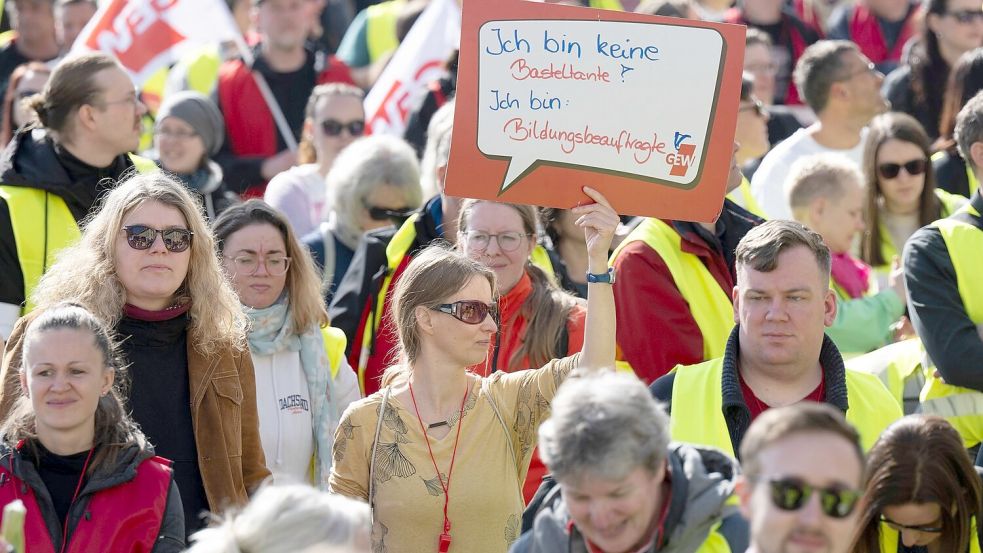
[(605, 278)]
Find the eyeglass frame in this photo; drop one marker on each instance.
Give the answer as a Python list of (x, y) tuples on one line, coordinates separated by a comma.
[(349, 127), (870, 68), (467, 237), (897, 167), (377, 213), (807, 492), (260, 260), (181, 135), (135, 100), (898, 527), (453, 309), (130, 233), (965, 17)]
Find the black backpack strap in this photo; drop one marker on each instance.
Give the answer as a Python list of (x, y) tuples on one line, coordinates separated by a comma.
[(547, 493)]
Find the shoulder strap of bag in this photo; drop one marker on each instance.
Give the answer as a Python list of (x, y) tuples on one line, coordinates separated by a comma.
[(375, 445), (508, 435)]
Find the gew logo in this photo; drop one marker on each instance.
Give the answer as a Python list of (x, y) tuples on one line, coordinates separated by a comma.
[(681, 161)]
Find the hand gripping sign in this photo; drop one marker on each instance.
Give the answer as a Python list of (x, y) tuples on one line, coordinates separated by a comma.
[(551, 98)]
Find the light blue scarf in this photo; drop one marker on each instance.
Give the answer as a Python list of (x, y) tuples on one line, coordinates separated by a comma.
[(272, 332)]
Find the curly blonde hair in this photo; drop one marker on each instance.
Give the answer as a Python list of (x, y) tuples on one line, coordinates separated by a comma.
[(86, 272)]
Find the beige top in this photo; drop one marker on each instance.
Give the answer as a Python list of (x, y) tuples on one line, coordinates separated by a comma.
[(486, 504)]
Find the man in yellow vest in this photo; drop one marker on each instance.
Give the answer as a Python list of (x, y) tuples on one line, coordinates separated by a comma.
[(673, 288), (778, 354), (802, 480), (943, 265), (51, 175)]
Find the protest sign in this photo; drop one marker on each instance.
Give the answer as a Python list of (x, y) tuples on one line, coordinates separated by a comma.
[(551, 98)]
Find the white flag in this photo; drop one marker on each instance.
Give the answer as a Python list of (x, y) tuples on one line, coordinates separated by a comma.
[(418, 61), (145, 35)]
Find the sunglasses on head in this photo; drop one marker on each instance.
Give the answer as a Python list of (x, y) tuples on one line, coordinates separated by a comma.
[(383, 214), (790, 494), (142, 237), (333, 127), (913, 167), (472, 312), (966, 16), (898, 527)]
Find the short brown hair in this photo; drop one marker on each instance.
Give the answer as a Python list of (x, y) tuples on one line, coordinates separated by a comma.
[(72, 85), (761, 246), (820, 66), (778, 423)]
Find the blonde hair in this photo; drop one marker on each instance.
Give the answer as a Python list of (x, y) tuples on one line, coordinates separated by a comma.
[(86, 272), (305, 150), (820, 176), (435, 273), (303, 284)]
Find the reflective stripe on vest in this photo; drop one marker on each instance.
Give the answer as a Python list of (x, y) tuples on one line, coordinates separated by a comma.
[(709, 304), (962, 407), (334, 347), (702, 422), (744, 198), (43, 226), (380, 28)]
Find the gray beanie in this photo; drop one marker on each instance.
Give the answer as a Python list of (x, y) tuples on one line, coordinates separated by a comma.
[(199, 111)]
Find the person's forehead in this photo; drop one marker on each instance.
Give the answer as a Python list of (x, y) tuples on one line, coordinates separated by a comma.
[(793, 264), (818, 457)]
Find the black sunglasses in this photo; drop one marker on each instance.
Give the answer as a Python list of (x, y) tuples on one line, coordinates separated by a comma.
[(898, 527), (790, 494), (966, 16), (913, 167), (333, 127), (382, 213), (142, 237), (472, 312)]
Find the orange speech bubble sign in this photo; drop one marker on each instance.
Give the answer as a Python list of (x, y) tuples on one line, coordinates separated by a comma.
[(551, 98)]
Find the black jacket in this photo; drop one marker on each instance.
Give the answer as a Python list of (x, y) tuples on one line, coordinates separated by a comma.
[(171, 535), (950, 173), (736, 412), (936, 308), (33, 160)]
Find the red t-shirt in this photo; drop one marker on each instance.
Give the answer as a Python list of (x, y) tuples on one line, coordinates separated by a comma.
[(756, 406)]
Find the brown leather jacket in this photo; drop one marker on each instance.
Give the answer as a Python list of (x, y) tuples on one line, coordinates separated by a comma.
[(223, 408)]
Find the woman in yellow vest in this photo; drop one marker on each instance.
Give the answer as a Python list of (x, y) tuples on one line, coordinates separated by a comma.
[(901, 192), (752, 135), (303, 381), (922, 493)]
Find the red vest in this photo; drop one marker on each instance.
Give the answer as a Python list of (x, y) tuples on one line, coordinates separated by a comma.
[(866, 33), (124, 519), (249, 124)]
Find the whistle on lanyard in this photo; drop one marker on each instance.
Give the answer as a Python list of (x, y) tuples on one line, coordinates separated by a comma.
[(444, 543)]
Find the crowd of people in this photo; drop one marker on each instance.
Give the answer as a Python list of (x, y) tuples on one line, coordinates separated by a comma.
[(234, 319)]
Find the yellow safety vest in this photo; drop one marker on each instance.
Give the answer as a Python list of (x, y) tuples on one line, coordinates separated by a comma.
[(950, 204), (743, 197), (200, 69), (889, 539), (697, 406), (334, 346), (710, 305), (898, 366), (43, 226), (962, 407), (607, 5), (380, 28)]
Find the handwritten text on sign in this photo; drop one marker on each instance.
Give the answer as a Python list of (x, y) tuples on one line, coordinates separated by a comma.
[(635, 99)]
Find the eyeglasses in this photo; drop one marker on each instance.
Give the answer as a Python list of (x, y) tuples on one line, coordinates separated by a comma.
[(913, 167), (173, 133), (133, 100), (333, 127), (900, 527), (790, 494), (966, 16), (472, 312), (276, 265), (142, 237), (758, 107), (507, 241), (869, 68), (382, 213)]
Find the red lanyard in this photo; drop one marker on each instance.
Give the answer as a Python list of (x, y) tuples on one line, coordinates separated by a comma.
[(444, 541)]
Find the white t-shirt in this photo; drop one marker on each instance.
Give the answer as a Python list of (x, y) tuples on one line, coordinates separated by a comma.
[(769, 183), (300, 193), (286, 427)]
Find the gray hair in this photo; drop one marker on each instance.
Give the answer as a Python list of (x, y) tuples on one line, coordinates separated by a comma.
[(605, 425), (289, 518), (969, 127), (438, 149), (365, 164), (818, 68)]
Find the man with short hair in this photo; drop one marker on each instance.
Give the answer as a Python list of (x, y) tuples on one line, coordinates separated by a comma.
[(826, 194), (778, 354), (70, 18), (844, 89), (943, 264), (621, 485), (33, 26), (256, 150), (802, 480)]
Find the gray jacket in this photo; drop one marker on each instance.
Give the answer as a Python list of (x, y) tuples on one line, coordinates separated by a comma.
[(702, 479)]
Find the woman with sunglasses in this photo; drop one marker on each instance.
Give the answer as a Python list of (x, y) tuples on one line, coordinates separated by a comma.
[(146, 265), (752, 135), (374, 183), (188, 132), (86, 473), (900, 189), (443, 465), (922, 493), (333, 119), (303, 380)]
